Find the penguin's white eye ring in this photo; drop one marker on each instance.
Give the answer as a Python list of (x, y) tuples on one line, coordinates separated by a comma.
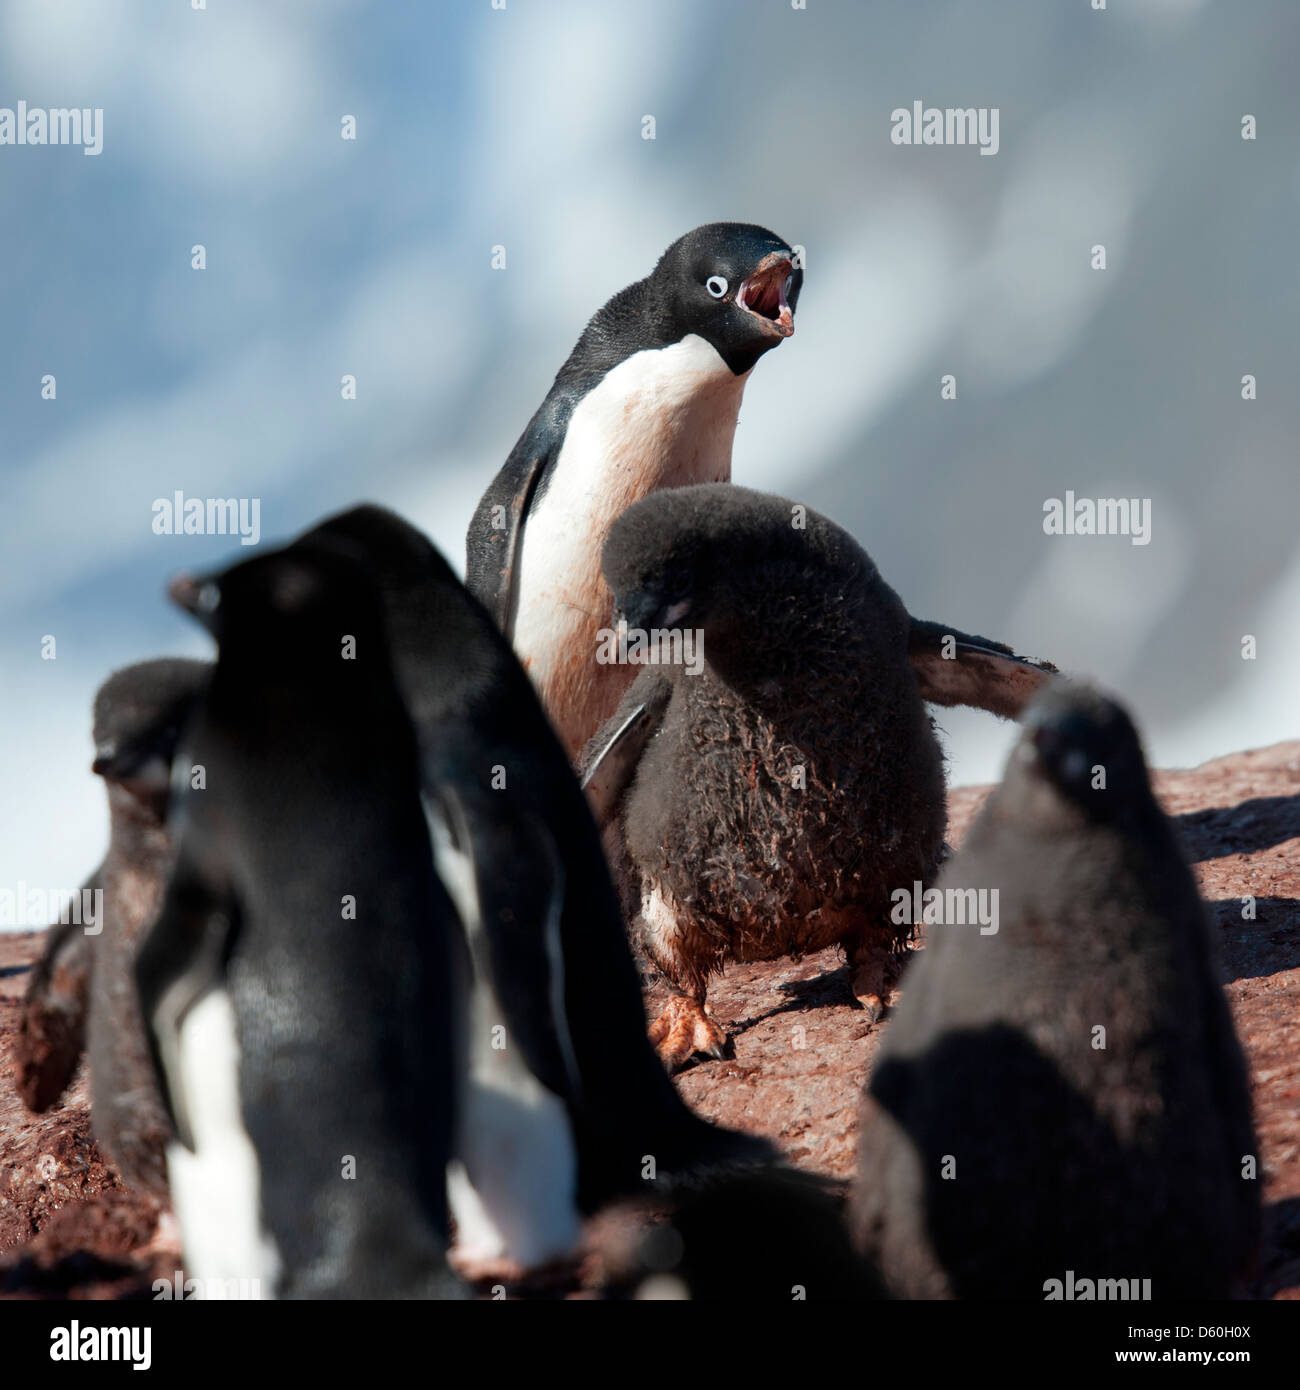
[(716, 286)]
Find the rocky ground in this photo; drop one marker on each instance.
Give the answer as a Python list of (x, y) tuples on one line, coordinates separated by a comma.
[(802, 1053)]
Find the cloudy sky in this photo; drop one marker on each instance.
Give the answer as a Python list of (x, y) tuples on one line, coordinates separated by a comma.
[(522, 127)]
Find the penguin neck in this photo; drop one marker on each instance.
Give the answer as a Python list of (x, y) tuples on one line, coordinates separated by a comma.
[(138, 818), (139, 858), (663, 417)]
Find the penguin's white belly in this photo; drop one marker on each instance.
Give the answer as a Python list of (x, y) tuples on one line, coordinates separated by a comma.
[(513, 1189), (216, 1190), (513, 1185), (662, 418)]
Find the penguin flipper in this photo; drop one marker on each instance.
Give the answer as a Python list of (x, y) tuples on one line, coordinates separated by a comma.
[(491, 554), (954, 668), (182, 958), (511, 923), (610, 759), (52, 1029)]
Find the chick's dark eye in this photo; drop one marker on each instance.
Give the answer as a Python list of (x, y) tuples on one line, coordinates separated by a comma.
[(676, 583), (1075, 766), (716, 286)]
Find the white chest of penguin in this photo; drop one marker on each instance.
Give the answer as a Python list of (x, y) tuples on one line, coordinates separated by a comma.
[(661, 418)]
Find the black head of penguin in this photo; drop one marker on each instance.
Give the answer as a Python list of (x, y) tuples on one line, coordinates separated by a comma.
[(731, 283), (286, 613), (754, 572), (1079, 761), (140, 713), (276, 589), (285, 621)]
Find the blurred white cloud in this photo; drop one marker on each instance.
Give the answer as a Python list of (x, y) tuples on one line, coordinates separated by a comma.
[(1072, 186), (229, 96)]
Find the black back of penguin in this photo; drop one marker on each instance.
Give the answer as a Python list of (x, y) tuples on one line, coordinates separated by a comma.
[(1066, 1094), (305, 898), (486, 743)]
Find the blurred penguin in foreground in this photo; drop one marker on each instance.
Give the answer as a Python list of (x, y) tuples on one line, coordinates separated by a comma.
[(1064, 1099)]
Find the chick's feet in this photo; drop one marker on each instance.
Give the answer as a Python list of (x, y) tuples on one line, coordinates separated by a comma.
[(682, 1030), (874, 979)]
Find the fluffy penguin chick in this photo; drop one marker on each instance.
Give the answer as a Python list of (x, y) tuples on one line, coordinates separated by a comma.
[(769, 800), (83, 988), (1064, 1096), (793, 783)]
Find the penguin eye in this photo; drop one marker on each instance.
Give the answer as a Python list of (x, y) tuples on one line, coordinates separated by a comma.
[(716, 286), (1074, 766), (676, 583)]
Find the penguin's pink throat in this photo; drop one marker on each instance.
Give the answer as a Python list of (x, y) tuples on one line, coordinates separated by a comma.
[(763, 294)]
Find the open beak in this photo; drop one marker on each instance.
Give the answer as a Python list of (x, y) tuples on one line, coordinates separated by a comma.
[(763, 294)]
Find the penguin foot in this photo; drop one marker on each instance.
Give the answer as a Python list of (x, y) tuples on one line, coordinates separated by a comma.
[(682, 1030), (165, 1243), (873, 1005), (478, 1269), (872, 989)]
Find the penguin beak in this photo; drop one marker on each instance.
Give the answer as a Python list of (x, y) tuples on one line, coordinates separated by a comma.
[(199, 597), (637, 611), (764, 294), (105, 760), (644, 612), (184, 592), (143, 770)]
